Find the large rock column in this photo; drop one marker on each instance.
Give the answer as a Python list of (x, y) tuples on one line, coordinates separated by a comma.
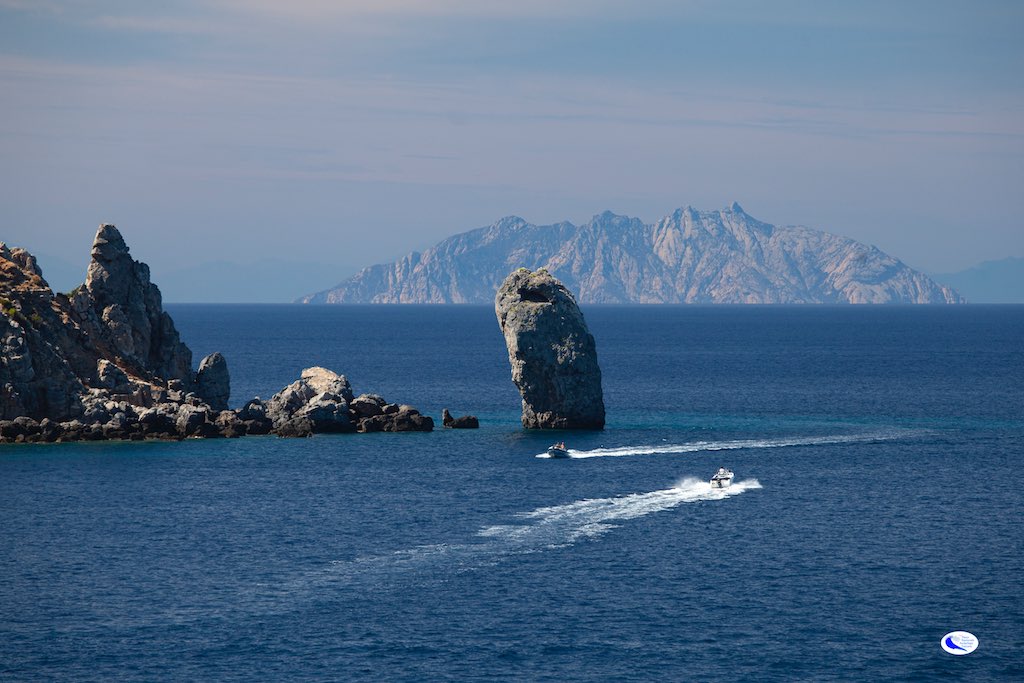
[(118, 291), (553, 355)]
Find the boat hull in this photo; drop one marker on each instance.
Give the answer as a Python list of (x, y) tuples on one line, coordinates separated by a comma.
[(721, 483)]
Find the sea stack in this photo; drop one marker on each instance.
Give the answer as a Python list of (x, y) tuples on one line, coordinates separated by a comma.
[(551, 351), (120, 297)]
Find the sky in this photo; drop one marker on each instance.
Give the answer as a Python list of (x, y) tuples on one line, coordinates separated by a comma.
[(272, 144)]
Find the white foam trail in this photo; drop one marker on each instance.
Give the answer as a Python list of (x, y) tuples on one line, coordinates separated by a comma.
[(730, 445), (543, 528), (564, 524)]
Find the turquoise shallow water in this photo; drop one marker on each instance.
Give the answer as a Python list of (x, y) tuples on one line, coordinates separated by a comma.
[(877, 453)]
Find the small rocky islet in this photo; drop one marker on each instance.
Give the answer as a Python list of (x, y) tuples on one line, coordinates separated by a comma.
[(105, 362)]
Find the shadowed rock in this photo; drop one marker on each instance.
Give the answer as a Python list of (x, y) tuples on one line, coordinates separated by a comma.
[(463, 422), (213, 383), (552, 354)]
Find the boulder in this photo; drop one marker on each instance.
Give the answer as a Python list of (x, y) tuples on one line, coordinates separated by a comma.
[(50, 430), (109, 376), (157, 420), (367, 405), (406, 420), (319, 397), (464, 422), (253, 410), (374, 423), (118, 427), (253, 416), (410, 420), (191, 419), (551, 351), (327, 413), (290, 400), (324, 381), (296, 427), (213, 383), (229, 425)]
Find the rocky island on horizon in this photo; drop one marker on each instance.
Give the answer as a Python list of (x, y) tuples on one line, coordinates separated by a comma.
[(690, 256)]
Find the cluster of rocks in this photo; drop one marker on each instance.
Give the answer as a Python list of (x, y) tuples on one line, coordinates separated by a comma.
[(320, 401), (323, 401), (106, 362)]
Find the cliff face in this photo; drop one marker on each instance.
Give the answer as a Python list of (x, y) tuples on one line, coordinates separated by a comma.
[(111, 340), (688, 257), (43, 354)]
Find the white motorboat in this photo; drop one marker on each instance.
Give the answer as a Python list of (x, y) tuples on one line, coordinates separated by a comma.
[(722, 478), (558, 450)]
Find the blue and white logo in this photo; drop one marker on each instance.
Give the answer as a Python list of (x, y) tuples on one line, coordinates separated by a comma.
[(959, 643)]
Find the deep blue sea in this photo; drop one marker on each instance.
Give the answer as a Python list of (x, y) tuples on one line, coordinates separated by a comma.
[(877, 506)]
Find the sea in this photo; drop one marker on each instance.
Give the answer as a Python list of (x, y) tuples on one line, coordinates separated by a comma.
[(876, 507)]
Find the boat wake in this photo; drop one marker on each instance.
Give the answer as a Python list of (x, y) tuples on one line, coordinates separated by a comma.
[(730, 445), (561, 525), (541, 529)]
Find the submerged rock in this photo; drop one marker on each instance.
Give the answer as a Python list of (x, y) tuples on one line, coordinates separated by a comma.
[(551, 351)]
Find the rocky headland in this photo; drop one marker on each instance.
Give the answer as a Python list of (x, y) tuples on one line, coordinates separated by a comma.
[(551, 351), (689, 256), (105, 361)]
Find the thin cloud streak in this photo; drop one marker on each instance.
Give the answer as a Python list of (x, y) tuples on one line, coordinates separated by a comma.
[(363, 115)]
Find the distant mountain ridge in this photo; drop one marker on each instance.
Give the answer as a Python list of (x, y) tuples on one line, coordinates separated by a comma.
[(689, 256)]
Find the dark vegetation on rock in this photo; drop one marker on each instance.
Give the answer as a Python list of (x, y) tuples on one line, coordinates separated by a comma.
[(551, 351), (106, 362)]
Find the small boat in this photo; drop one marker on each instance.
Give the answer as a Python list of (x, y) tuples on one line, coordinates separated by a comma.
[(558, 450), (722, 478)]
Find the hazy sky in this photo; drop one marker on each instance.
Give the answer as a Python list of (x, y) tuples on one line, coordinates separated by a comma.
[(354, 132)]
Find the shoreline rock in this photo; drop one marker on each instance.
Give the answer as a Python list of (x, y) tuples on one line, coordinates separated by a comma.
[(106, 362)]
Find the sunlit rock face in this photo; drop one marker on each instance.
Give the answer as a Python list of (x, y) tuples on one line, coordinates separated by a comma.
[(118, 291), (552, 353)]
